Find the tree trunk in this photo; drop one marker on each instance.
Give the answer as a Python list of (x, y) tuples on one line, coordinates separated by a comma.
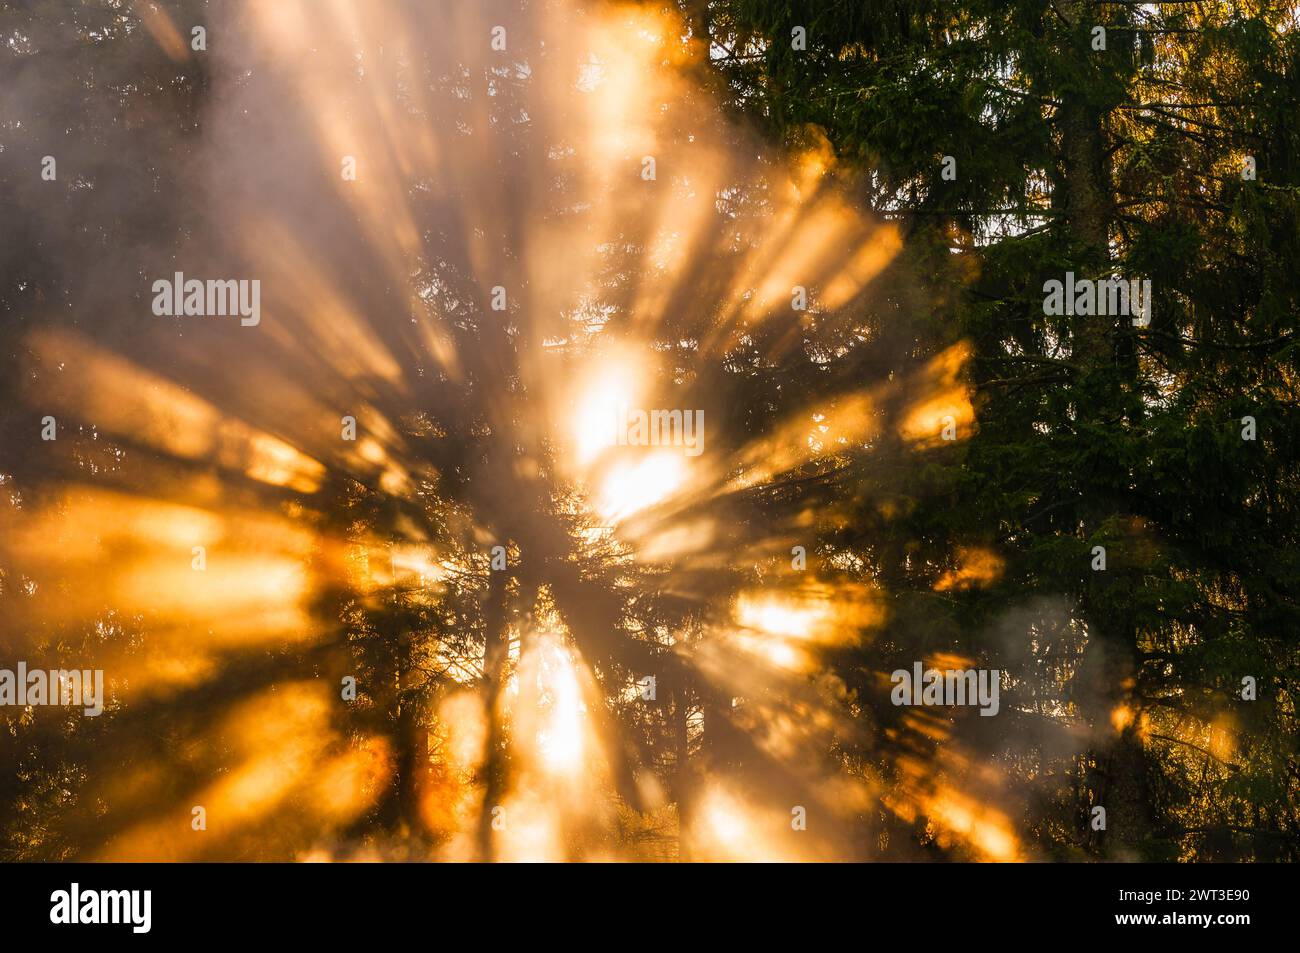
[(1087, 198), (495, 653)]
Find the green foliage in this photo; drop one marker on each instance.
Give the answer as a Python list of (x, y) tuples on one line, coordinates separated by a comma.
[(1133, 441)]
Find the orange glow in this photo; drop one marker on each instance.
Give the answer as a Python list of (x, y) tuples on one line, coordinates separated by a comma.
[(1121, 718), (944, 404), (124, 399), (162, 29), (976, 568), (232, 528)]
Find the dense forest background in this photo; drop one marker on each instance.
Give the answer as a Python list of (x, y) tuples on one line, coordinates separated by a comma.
[(560, 650)]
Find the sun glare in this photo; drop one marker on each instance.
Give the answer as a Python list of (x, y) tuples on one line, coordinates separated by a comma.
[(631, 487)]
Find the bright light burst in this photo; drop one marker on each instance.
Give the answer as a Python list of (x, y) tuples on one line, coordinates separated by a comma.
[(494, 639)]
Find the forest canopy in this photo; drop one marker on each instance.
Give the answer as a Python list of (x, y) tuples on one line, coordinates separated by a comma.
[(696, 430)]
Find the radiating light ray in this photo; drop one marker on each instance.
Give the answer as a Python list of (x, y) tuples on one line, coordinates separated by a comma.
[(944, 401), (631, 487), (378, 308), (278, 741)]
